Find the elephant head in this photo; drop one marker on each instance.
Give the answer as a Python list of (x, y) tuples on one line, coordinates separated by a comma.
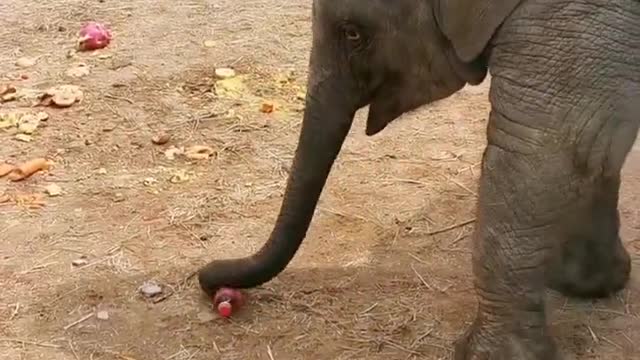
[(392, 55)]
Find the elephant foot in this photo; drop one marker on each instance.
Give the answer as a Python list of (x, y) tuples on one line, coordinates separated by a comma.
[(591, 268), (481, 342)]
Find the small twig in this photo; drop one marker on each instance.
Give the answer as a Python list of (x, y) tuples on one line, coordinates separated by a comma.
[(73, 350), (27, 342), (451, 227), (114, 97), (270, 353), (84, 318), (15, 311), (593, 335), (421, 278), (464, 187)]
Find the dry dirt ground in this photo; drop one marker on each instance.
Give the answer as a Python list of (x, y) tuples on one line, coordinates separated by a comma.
[(377, 277)]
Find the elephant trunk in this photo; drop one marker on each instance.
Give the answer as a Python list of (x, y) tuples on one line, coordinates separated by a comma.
[(327, 119)]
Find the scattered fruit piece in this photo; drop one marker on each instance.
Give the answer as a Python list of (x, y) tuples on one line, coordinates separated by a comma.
[(28, 123), (53, 190), (267, 107), (28, 168), (161, 139), (8, 120), (198, 152), (24, 62), (93, 35), (62, 96)]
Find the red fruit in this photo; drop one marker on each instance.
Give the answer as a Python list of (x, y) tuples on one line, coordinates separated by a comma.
[(225, 309), (93, 36), (226, 300)]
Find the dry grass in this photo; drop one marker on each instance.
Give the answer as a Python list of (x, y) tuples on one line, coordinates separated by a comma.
[(384, 272)]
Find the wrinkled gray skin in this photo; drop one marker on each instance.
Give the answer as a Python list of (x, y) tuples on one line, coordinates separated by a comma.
[(565, 80)]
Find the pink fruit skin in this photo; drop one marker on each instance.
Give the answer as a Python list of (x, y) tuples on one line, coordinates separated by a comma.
[(94, 36), (234, 297)]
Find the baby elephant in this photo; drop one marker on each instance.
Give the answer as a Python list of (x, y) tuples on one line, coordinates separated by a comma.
[(565, 102)]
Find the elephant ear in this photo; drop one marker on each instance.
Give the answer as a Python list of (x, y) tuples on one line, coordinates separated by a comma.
[(470, 24)]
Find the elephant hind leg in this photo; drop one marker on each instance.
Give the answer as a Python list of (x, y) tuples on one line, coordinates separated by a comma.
[(592, 262)]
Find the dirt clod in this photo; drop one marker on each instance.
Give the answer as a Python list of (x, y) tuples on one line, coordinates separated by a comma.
[(161, 139)]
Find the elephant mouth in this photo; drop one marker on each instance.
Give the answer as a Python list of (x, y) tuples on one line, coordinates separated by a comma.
[(385, 106)]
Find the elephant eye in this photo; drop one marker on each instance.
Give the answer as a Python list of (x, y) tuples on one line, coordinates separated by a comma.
[(351, 33)]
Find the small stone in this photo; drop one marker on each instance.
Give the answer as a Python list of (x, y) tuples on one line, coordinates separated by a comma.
[(102, 315), (209, 43), (225, 73), (102, 171), (150, 289), (24, 62), (161, 139), (79, 262), (53, 189), (23, 137)]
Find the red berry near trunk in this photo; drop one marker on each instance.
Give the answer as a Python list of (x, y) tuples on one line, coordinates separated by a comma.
[(227, 300)]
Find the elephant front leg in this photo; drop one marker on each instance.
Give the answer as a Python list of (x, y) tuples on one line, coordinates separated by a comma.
[(521, 201), (592, 262)]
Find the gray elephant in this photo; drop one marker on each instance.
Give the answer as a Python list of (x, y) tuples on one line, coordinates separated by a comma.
[(565, 82)]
